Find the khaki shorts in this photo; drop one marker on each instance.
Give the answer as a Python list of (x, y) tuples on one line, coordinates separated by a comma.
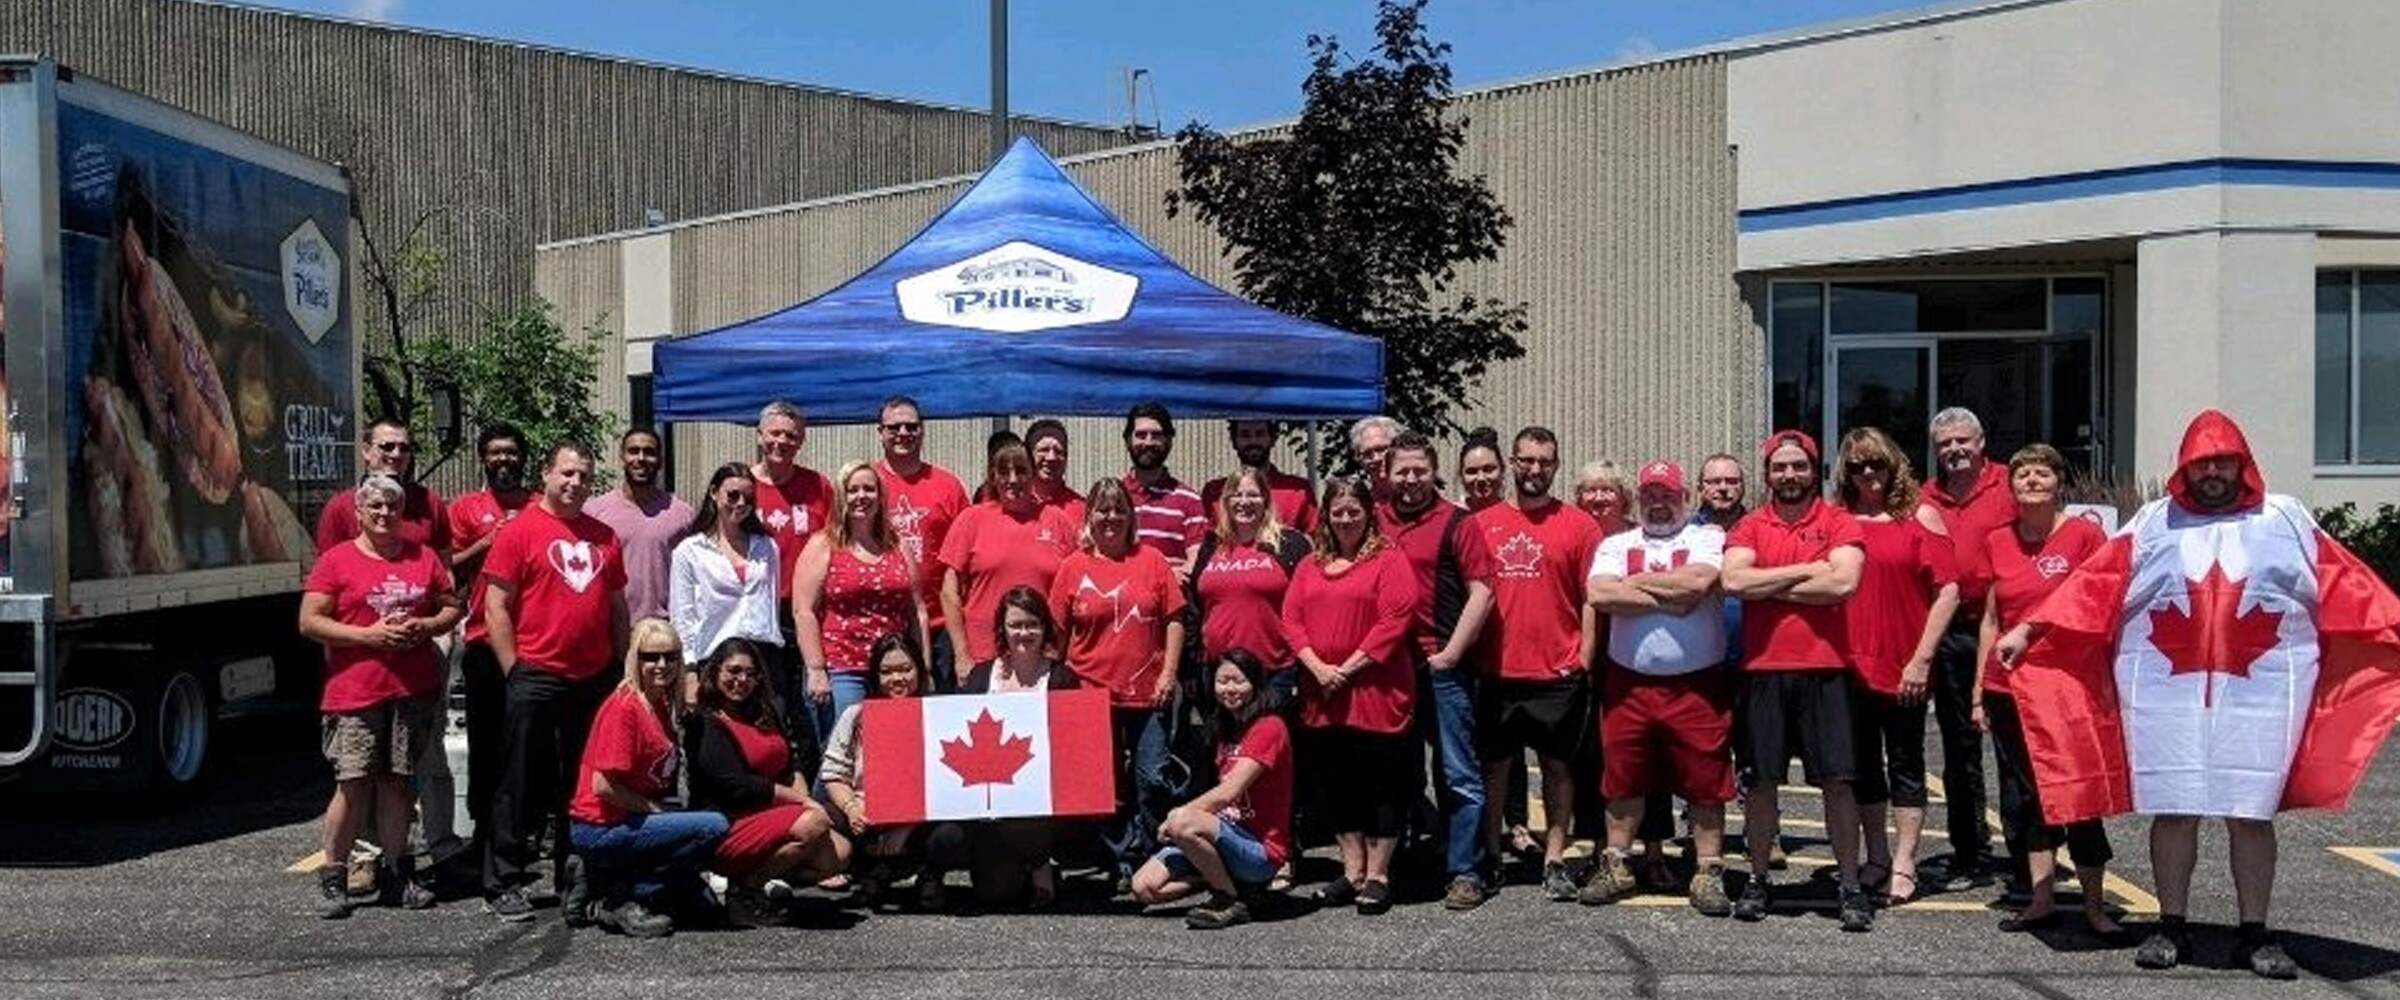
[(384, 738)]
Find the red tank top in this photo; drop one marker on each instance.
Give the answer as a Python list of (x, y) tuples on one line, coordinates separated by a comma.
[(766, 752), (862, 602)]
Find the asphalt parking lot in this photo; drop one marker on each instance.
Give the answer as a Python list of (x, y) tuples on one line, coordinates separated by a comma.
[(196, 901)]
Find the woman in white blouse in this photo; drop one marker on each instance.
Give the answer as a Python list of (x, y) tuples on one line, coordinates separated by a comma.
[(721, 577)]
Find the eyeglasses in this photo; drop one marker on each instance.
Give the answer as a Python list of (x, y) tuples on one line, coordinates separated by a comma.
[(395, 447), (1859, 465), (739, 673), (736, 496), (650, 656), (904, 426)]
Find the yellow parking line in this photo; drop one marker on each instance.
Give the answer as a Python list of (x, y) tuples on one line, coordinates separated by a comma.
[(2372, 857)]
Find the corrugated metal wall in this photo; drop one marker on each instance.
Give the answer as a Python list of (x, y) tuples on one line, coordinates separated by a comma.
[(1623, 190)]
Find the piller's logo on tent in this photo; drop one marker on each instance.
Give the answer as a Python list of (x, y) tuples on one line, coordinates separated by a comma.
[(1017, 287)]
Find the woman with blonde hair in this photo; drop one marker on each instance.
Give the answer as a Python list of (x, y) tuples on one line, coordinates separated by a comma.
[(1906, 594), (641, 857), (1239, 572), (853, 585)]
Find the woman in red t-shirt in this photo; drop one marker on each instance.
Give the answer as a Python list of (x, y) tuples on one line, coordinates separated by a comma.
[(376, 602), (641, 856), (1232, 838), (1350, 615), (1120, 617), (2030, 557), (1907, 592), (1011, 540), (854, 584), (1239, 574), (742, 767)]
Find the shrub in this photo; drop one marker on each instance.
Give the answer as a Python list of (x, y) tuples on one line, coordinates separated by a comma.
[(2376, 538)]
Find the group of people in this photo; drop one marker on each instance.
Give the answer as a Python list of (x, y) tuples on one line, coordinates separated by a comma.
[(1275, 657)]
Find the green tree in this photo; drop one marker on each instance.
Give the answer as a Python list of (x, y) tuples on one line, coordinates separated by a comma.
[(522, 367), (1358, 217)]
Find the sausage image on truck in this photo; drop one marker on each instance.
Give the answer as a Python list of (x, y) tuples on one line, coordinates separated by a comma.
[(177, 373)]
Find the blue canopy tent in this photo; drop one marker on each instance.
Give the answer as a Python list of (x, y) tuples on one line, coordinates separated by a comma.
[(1024, 296)]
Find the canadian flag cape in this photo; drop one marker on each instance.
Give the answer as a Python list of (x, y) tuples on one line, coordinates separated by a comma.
[(986, 756), (2236, 662)]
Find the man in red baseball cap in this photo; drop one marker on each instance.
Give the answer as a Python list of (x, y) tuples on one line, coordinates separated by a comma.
[(1793, 562)]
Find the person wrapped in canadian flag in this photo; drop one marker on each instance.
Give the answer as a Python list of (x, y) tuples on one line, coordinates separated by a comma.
[(2221, 656)]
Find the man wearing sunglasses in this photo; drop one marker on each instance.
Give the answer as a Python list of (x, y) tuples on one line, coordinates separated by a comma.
[(921, 499), (387, 448)]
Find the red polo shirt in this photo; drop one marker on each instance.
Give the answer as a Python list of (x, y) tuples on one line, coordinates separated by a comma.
[(1784, 635), (1970, 519)]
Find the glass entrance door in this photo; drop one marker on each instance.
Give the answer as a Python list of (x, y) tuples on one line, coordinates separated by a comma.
[(1886, 384)]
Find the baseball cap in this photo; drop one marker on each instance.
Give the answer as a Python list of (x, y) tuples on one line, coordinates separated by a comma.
[(1661, 472), (1799, 439)]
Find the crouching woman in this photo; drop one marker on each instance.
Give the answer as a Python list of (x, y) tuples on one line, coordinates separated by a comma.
[(1231, 839), (742, 767), (641, 859)]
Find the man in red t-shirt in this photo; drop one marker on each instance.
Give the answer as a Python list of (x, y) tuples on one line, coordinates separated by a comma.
[(793, 503), (1371, 441), (1167, 514), (1971, 492), (388, 449), (1253, 443), (554, 608), (1454, 584), (1534, 649), (1793, 562), (922, 500), (475, 519)]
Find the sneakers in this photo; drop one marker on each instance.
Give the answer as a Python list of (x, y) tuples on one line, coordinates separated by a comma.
[(1708, 890), (2162, 950), (332, 895), (1464, 894), (1611, 880), (396, 886), (1858, 914), (1556, 883), (574, 891), (1339, 892), (748, 907), (1374, 896), (509, 905), (1965, 875), (1752, 907), (634, 920), (1222, 910), (2266, 958)]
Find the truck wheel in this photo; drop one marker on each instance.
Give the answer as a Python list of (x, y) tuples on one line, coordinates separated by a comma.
[(185, 731)]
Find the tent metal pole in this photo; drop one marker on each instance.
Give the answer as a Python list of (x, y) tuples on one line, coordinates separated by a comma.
[(1000, 130), (1314, 428)]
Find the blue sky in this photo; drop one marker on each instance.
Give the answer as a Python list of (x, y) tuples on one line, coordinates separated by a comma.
[(1225, 62)]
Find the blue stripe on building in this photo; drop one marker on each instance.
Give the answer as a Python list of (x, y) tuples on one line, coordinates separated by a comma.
[(2065, 187)]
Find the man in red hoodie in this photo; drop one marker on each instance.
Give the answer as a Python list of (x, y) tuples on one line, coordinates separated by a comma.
[(2221, 656)]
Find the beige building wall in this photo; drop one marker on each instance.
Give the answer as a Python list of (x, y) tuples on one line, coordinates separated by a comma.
[(1620, 182)]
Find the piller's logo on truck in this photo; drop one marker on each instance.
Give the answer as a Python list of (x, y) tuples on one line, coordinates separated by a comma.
[(1017, 287), (312, 281), (91, 719)]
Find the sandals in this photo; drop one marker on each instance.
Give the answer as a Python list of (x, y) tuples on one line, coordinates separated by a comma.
[(1875, 878), (1282, 882), (1900, 887), (1339, 892)]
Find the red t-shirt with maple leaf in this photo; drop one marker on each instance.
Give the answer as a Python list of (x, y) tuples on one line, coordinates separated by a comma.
[(364, 588), (473, 516), (993, 551), (792, 512), (1265, 809), (629, 743), (1372, 606), (1241, 589), (565, 574), (2024, 573), (921, 509), (1905, 565), (1784, 635), (1114, 615), (1535, 632)]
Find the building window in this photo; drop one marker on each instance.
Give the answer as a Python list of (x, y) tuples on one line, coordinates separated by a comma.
[(2358, 367)]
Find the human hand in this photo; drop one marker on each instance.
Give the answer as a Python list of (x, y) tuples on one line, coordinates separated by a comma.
[(819, 686), (1982, 722), (1163, 691), (1913, 679), (2011, 647)]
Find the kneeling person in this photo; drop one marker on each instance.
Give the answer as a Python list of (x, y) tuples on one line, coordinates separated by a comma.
[(641, 857), (1233, 837)]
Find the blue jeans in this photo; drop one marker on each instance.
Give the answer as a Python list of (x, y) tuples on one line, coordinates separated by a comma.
[(647, 855), (1449, 724), (1143, 792), (849, 688), (1244, 854)]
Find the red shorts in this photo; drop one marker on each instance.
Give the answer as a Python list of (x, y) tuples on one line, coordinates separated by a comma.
[(1666, 734)]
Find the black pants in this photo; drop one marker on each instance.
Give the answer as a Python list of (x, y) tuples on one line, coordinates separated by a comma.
[(2021, 825), (487, 730), (548, 720), (1962, 747)]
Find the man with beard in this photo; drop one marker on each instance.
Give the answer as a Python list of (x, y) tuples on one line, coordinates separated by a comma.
[(1793, 563), (554, 604), (475, 518), (1972, 494), (922, 500), (388, 449), (1533, 655), (1253, 442), (647, 519), (1371, 440), (1454, 579), (2154, 680), (1167, 515), (1666, 713)]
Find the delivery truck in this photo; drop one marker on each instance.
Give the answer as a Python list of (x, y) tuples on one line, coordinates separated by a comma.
[(177, 373)]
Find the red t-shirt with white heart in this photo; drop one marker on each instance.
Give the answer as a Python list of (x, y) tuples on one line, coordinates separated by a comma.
[(565, 573)]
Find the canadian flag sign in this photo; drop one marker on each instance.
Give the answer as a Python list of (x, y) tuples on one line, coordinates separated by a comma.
[(986, 756)]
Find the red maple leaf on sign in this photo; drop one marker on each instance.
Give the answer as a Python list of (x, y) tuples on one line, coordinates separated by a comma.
[(986, 754), (2215, 635)]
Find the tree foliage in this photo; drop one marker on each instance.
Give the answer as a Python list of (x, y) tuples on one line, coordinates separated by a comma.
[(1357, 217)]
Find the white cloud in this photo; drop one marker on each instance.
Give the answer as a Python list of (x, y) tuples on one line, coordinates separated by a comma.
[(372, 10), (1635, 47)]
